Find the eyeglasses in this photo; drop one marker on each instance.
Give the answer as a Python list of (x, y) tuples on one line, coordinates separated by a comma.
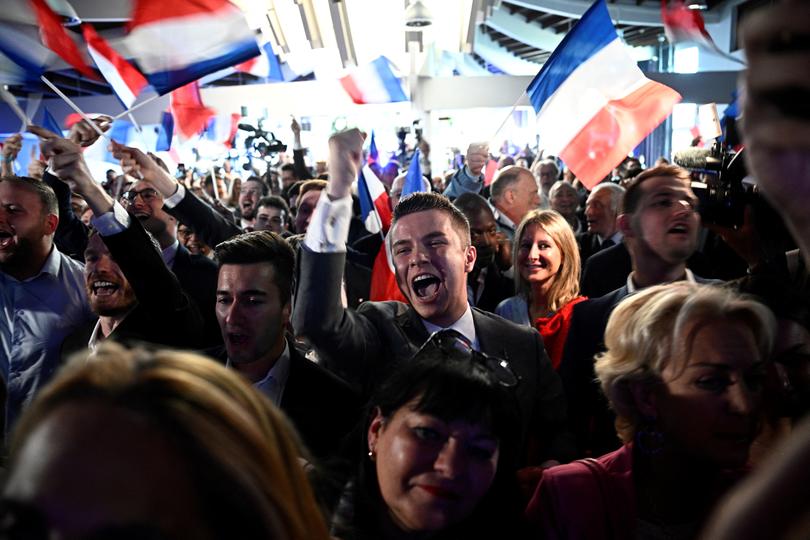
[(147, 195), (452, 342)]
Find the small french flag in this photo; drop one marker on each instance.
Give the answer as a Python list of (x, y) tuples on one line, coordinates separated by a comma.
[(126, 81), (374, 83), (265, 65), (593, 103), (375, 208)]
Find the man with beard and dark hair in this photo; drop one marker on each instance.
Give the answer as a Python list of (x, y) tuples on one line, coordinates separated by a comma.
[(128, 285), (42, 296), (254, 303), (660, 225), (487, 285), (252, 190)]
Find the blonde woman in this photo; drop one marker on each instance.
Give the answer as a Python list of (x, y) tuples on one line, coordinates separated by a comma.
[(137, 444), (546, 263), (684, 371)]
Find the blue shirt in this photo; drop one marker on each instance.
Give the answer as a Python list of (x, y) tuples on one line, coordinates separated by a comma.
[(36, 315), (464, 182)]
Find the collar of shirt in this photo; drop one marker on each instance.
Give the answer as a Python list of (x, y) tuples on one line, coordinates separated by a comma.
[(502, 218), (273, 384), (631, 286), (170, 253), (95, 336), (617, 237), (52, 265), (465, 325)]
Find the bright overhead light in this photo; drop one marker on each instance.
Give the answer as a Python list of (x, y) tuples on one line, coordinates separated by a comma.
[(697, 7), (417, 15)]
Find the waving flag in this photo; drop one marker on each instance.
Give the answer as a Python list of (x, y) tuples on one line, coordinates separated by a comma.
[(374, 83), (165, 132), (175, 42), (593, 103), (190, 113), (375, 208), (49, 122), (373, 153), (24, 57), (684, 25), (56, 38), (126, 81), (265, 65), (413, 178), (222, 128)]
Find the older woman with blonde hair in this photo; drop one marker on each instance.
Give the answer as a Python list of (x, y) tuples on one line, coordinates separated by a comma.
[(684, 372), (138, 444), (546, 264)]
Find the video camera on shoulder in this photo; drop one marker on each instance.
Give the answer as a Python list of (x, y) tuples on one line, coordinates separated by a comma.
[(262, 143)]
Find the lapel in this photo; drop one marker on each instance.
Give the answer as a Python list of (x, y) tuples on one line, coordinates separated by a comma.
[(182, 258), (411, 324), (488, 339)]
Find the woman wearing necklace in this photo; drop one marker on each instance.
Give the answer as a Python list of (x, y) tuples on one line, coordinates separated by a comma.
[(684, 372), (546, 265)]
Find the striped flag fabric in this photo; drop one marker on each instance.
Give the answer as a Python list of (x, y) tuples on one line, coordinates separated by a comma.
[(24, 58), (373, 153), (165, 132), (190, 113), (178, 41), (49, 122), (375, 207), (56, 38), (374, 83), (265, 65), (593, 103), (685, 25), (126, 81), (413, 178)]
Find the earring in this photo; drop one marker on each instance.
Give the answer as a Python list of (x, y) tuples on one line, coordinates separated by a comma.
[(648, 439), (372, 455)]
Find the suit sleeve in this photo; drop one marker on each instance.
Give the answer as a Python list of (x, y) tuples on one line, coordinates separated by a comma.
[(302, 172), (71, 233), (155, 286), (550, 419), (347, 341), (210, 225)]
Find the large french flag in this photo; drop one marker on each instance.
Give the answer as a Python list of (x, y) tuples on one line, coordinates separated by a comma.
[(593, 103), (126, 81), (176, 42), (374, 83), (25, 59)]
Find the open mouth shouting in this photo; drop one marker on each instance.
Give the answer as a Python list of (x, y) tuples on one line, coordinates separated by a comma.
[(426, 286), (679, 228), (103, 288), (6, 239)]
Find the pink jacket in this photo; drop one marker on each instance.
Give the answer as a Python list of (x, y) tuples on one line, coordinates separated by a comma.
[(590, 499)]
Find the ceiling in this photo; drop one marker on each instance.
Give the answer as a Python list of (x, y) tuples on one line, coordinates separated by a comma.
[(508, 36)]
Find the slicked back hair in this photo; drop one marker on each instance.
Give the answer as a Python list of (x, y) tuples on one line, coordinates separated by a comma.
[(506, 179), (261, 247), (632, 195), (422, 202), (42, 190)]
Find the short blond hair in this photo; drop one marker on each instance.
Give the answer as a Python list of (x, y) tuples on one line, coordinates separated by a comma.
[(566, 283), (242, 445), (649, 329)]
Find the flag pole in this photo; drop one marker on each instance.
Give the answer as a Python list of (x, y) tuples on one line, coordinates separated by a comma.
[(9, 98), (508, 116), (75, 107), (136, 107)]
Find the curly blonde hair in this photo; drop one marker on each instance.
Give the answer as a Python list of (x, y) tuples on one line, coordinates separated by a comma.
[(654, 327), (566, 283), (245, 453)]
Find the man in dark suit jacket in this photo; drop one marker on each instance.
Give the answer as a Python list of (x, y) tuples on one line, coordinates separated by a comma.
[(601, 209), (432, 256), (136, 296), (660, 225), (605, 271), (253, 308)]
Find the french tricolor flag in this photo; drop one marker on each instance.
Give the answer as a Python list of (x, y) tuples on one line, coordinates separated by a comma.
[(126, 81), (593, 103), (375, 208), (176, 42), (265, 65), (374, 83)]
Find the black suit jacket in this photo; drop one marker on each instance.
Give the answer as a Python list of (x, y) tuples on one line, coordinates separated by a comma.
[(198, 275), (363, 345), (163, 315), (606, 271), (323, 408), (211, 226), (588, 245), (497, 288), (589, 415)]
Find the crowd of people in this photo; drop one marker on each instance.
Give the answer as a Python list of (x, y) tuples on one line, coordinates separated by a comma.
[(192, 357)]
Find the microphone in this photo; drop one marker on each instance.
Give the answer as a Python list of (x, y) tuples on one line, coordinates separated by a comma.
[(695, 158), (246, 127)]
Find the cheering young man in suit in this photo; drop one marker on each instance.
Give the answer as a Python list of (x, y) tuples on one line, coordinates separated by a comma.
[(432, 255)]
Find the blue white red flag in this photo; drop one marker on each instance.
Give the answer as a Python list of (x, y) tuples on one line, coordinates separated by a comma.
[(126, 81), (24, 57), (190, 113), (56, 38), (49, 122), (222, 128), (178, 41), (414, 182), (265, 65), (373, 153), (374, 83), (593, 103), (165, 132), (375, 208)]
